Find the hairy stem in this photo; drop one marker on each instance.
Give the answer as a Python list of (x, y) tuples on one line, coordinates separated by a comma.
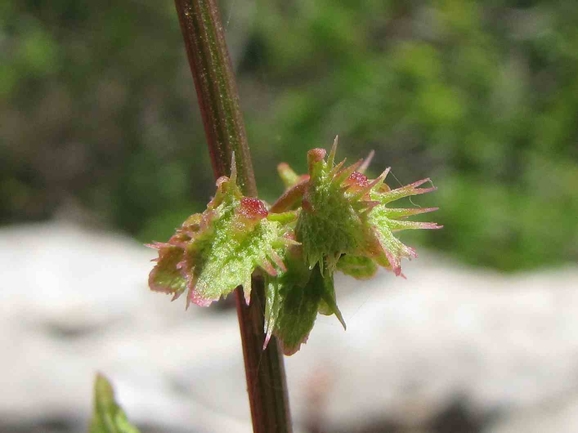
[(225, 131)]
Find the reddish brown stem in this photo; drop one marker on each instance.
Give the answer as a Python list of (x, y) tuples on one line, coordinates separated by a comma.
[(217, 94), (225, 132)]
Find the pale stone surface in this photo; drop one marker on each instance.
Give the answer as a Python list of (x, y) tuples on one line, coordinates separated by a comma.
[(74, 301)]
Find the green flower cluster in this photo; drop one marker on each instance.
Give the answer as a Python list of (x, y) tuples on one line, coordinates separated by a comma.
[(333, 218), (214, 252)]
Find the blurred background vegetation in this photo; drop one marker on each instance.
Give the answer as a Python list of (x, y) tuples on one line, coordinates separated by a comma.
[(98, 116)]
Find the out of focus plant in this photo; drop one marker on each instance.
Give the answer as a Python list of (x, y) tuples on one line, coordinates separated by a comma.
[(480, 95), (108, 416)]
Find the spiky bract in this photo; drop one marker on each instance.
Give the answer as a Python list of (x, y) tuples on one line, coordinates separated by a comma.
[(345, 217), (216, 251)]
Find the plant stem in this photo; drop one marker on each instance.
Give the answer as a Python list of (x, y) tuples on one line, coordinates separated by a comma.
[(225, 131)]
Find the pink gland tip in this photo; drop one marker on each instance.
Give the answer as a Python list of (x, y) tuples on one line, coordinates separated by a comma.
[(358, 179), (252, 208), (316, 155)]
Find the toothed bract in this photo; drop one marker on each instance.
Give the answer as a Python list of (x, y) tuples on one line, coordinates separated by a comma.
[(214, 252), (332, 220), (294, 298), (345, 217)]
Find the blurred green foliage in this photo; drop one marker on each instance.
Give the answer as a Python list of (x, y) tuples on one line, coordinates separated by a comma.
[(97, 109), (108, 416)]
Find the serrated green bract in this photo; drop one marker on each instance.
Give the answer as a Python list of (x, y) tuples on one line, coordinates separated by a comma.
[(330, 223), (108, 416), (345, 218), (214, 252), (277, 288), (294, 298), (387, 250)]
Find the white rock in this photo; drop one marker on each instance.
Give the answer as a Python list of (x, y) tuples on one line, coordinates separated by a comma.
[(74, 302)]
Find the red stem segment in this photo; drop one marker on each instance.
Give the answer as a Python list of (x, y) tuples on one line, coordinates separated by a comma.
[(225, 131)]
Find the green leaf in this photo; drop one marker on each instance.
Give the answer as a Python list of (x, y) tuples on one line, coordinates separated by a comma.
[(108, 416)]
